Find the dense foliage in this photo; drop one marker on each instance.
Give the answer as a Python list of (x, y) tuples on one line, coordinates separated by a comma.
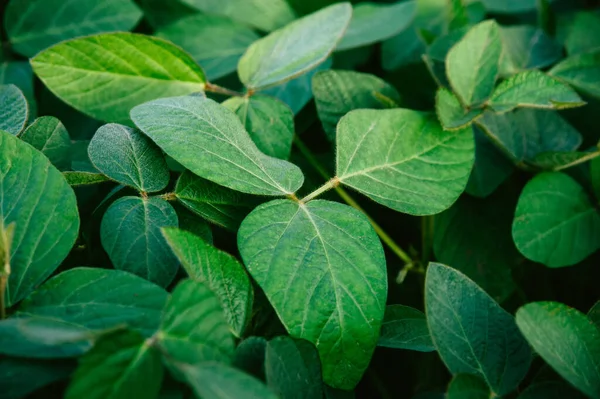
[(300, 199)]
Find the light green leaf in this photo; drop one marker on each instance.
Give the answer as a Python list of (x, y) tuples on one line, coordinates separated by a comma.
[(322, 268), (405, 328), (338, 92), (450, 111), (580, 71), (130, 234), (584, 33), (467, 386), (215, 42), (48, 135), (472, 64), (129, 157), (293, 368), (471, 332), (37, 198), (269, 122), (550, 390), (372, 22), (567, 340), (210, 141), (527, 47), (403, 159), (98, 299), (20, 377), (294, 49), (555, 222), (127, 69), (556, 161), (14, 111), (221, 272), (121, 365), (77, 179)]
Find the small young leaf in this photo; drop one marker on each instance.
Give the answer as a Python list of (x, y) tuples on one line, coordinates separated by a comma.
[(450, 111), (567, 340), (48, 135), (471, 332), (467, 386), (405, 328), (14, 111), (580, 71), (294, 49), (78, 179), (526, 47)]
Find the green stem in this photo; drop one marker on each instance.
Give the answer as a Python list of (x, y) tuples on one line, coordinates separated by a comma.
[(331, 183), (213, 88), (581, 160)]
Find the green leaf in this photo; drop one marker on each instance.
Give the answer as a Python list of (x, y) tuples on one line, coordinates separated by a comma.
[(471, 332), (338, 92), (78, 179), (435, 56), (37, 198), (533, 89), (130, 234), (48, 135), (217, 204), (322, 268), (403, 159), (215, 42), (554, 160), (509, 6), (250, 356), (194, 329), (450, 111), (550, 390), (472, 64), (98, 299), (583, 34), (193, 223), (210, 141), (106, 75), (372, 22), (34, 25), (555, 222), (159, 13), (293, 368), (527, 47), (20, 74), (567, 340), (294, 49), (467, 386), (129, 157), (405, 328), (221, 272), (19, 377), (14, 111), (121, 365), (269, 122), (458, 17), (594, 314), (580, 71)]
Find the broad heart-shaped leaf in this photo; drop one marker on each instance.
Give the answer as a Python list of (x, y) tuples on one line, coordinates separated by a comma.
[(582, 35), (121, 365), (215, 42), (106, 75), (130, 234), (294, 49), (527, 47), (221, 272), (14, 111), (567, 340), (471, 332), (472, 64), (48, 135), (322, 268), (405, 328), (129, 157), (338, 92), (269, 122), (450, 111), (467, 386), (555, 222), (580, 71), (98, 299), (293, 368), (37, 198), (20, 377), (403, 159), (533, 89), (210, 141), (194, 329), (372, 22), (77, 179)]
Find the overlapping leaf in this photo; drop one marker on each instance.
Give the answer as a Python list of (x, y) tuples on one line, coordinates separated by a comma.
[(405, 328), (14, 111), (48, 135)]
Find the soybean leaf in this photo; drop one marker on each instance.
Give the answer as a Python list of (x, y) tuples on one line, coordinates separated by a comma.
[(129, 157), (77, 179), (130, 234), (471, 332), (210, 141), (19, 376), (580, 71), (159, 13), (14, 111), (338, 92), (215, 42), (594, 314), (372, 22), (294, 49), (435, 56), (550, 390), (106, 75), (555, 222), (527, 47), (403, 159), (222, 273), (37, 198), (193, 223), (405, 328), (582, 36), (80, 161), (554, 160), (567, 340), (48, 135), (467, 386), (457, 15), (20, 74), (326, 253), (269, 122), (509, 6), (120, 365), (250, 356), (450, 111), (98, 299), (293, 368)]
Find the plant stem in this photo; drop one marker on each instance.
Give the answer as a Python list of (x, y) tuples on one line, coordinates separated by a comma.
[(581, 160), (331, 183), (213, 88)]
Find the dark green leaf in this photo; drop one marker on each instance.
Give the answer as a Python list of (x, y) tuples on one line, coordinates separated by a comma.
[(450, 111), (14, 111), (556, 161), (48, 135), (509, 6), (193, 223), (584, 33), (20, 74), (250, 356), (466, 386), (594, 314), (77, 179), (550, 390), (526, 47), (19, 377), (580, 71), (405, 328)]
